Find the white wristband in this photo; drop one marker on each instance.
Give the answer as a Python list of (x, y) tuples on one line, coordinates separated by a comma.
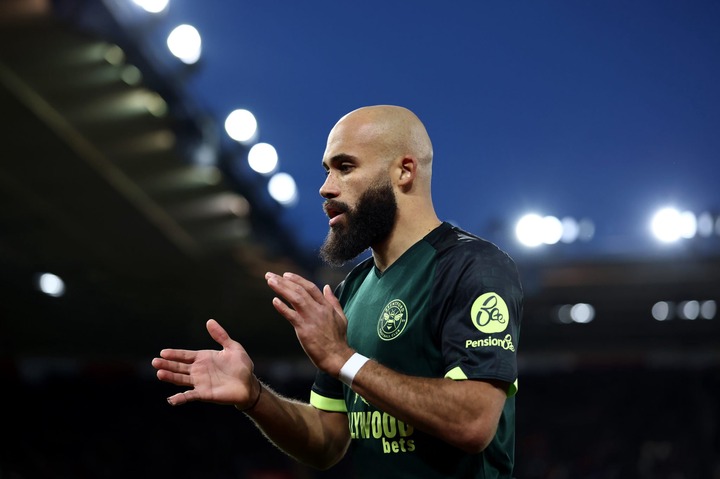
[(351, 368)]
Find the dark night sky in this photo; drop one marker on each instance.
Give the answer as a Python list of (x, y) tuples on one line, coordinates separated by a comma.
[(601, 110)]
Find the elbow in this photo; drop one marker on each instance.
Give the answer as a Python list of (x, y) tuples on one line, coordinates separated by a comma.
[(324, 463), (474, 438)]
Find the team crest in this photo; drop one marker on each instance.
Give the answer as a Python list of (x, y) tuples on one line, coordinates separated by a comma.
[(392, 321)]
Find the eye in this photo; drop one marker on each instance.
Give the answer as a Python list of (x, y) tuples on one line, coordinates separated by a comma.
[(345, 167)]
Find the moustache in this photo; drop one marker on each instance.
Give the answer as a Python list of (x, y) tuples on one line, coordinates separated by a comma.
[(334, 208)]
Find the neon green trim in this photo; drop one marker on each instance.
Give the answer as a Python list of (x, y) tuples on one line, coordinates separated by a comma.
[(327, 404), (513, 389), (458, 375)]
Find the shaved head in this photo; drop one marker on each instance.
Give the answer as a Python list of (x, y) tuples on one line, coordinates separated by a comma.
[(390, 130), (378, 161)]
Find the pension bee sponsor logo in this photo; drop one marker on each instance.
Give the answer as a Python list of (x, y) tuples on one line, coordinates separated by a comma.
[(489, 313), (504, 343), (392, 320)]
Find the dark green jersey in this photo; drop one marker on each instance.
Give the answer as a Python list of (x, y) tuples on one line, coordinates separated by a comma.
[(450, 306)]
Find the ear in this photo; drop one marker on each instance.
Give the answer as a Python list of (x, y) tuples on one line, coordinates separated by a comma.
[(408, 172)]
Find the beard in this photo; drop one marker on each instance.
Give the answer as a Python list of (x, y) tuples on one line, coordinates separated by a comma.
[(370, 222)]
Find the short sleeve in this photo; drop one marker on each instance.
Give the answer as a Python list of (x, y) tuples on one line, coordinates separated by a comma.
[(482, 307), (327, 393)]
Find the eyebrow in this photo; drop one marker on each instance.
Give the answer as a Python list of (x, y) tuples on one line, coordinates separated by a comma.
[(339, 158)]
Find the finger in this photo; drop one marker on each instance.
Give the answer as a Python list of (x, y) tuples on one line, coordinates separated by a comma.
[(305, 284), (181, 355), (293, 292), (285, 310), (331, 298), (182, 398), (177, 379), (172, 366)]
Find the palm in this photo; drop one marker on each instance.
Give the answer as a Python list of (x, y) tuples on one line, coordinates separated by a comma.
[(222, 376)]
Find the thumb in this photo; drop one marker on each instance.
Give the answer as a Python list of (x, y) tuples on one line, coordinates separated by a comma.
[(218, 333)]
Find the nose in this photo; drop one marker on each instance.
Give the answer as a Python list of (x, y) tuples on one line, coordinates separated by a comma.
[(328, 189)]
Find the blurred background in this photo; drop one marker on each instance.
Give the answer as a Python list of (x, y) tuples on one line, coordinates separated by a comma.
[(158, 157)]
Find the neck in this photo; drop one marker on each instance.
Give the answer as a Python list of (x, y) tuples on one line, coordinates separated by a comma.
[(403, 236)]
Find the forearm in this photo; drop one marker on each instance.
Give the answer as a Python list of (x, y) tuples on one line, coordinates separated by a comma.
[(311, 436), (462, 413)]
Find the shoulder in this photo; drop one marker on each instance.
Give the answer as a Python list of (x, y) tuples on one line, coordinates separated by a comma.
[(453, 241), (462, 253)]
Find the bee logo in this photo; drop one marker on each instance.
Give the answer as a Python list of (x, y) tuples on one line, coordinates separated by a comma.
[(392, 320), (489, 313)]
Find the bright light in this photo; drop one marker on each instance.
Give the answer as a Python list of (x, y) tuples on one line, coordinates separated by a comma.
[(688, 224), (708, 309), (283, 189), (185, 43), (570, 230), (552, 230), (241, 125), (666, 225), (152, 6), (705, 225), (661, 311), (563, 313), (51, 284), (263, 158), (533, 230), (582, 313), (689, 309), (528, 230), (669, 225), (575, 313)]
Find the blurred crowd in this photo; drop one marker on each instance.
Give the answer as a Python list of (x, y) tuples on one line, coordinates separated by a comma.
[(113, 422)]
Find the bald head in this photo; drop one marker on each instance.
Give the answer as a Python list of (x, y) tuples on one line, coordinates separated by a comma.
[(390, 130), (378, 161)]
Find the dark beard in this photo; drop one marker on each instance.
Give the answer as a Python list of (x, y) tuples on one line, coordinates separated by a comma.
[(369, 223)]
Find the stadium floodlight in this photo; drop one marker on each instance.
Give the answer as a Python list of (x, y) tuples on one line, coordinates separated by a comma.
[(152, 6), (708, 309), (51, 284), (662, 311), (185, 43), (552, 230), (670, 225), (705, 224), (527, 230), (241, 126), (582, 313), (283, 189), (533, 230), (570, 230), (263, 158)]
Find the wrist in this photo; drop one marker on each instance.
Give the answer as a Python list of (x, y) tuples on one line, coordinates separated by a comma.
[(352, 366), (255, 401)]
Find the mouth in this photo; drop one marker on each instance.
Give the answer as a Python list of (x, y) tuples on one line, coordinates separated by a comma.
[(334, 211)]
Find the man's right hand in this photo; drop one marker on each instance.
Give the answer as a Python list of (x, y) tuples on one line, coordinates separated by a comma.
[(222, 377)]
